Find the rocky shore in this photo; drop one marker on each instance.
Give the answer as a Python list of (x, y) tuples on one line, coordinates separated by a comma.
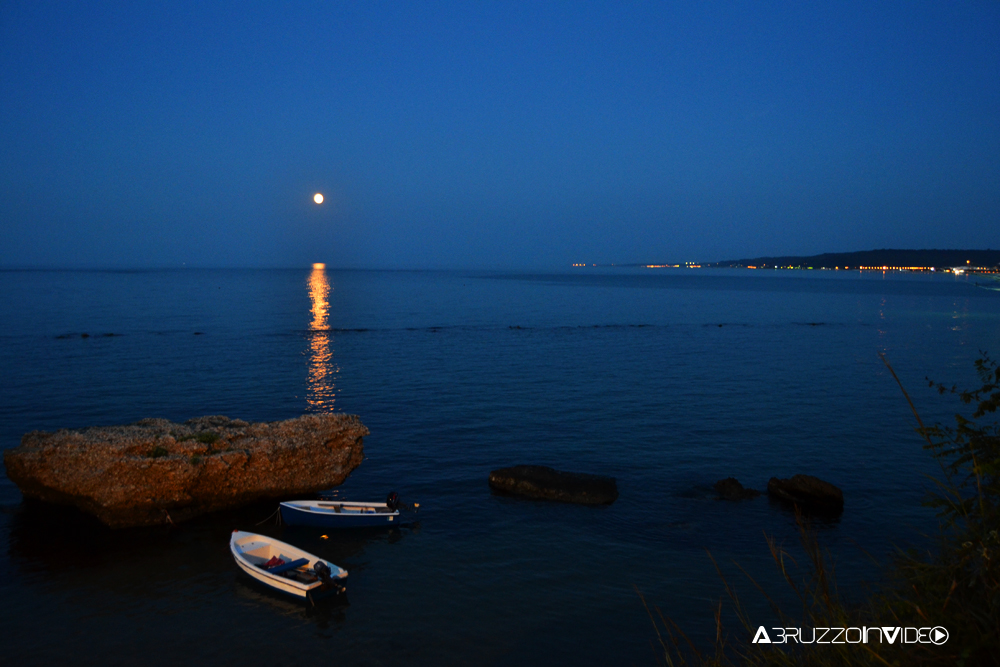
[(811, 495), (156, 471), (544, 483)]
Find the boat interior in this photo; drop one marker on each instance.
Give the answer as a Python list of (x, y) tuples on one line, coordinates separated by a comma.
[(344, 508), (257, 553), (262, 553)]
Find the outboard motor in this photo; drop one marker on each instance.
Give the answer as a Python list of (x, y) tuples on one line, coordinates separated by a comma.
[(392, 502), (322, 571)]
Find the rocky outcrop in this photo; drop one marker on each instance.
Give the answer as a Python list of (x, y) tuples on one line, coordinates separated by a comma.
[(731, 489), (545, 483), (808, 492), (156, 471)]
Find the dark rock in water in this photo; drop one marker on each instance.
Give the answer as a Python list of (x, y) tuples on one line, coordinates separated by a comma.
[(731, 489), (545, 483), (808, 492), (156, 471)]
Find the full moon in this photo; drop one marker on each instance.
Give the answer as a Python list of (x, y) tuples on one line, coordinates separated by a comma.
[(318, 198)]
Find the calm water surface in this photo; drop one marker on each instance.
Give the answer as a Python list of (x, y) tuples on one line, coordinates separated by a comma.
[(667, 380)]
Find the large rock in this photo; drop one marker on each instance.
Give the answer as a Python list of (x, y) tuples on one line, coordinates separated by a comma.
[(156, 471), (546, 483), (808, 492)]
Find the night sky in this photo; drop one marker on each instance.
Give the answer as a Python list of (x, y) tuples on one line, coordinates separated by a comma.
[(507, 135)]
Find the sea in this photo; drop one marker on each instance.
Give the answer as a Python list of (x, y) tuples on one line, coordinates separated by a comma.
[(666, 379)]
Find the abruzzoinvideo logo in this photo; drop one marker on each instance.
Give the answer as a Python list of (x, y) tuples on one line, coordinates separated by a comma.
[(863, 635)]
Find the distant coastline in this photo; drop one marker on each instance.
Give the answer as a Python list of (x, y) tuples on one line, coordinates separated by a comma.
[(956, 261)]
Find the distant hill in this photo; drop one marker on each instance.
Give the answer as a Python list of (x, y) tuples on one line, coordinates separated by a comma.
[(893, 258)]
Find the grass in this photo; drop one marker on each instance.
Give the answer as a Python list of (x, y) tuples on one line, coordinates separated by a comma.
[(956, 586)]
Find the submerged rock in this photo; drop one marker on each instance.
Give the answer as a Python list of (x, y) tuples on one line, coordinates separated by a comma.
[(156, 471), (544, 483), (731, 489), (808, 492)]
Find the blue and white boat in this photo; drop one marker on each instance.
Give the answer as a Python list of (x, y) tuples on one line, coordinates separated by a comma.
[(340, 513), (285, 568)]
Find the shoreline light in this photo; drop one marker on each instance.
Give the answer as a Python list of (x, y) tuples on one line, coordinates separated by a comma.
[(318, 198)]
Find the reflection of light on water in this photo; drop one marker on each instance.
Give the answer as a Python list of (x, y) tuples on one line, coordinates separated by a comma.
[(319, 289), (882, 326), (961, 317), (320, 387)]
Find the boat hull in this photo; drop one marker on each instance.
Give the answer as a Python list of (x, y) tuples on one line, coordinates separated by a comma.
[(322, 515)]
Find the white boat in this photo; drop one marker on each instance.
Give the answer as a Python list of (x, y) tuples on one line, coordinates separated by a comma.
[(285, 568), (338, 514)]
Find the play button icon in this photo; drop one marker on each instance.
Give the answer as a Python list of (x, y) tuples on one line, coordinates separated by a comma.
[(939, 635)]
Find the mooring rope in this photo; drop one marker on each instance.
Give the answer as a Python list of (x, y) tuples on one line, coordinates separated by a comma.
[(277, 521)]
